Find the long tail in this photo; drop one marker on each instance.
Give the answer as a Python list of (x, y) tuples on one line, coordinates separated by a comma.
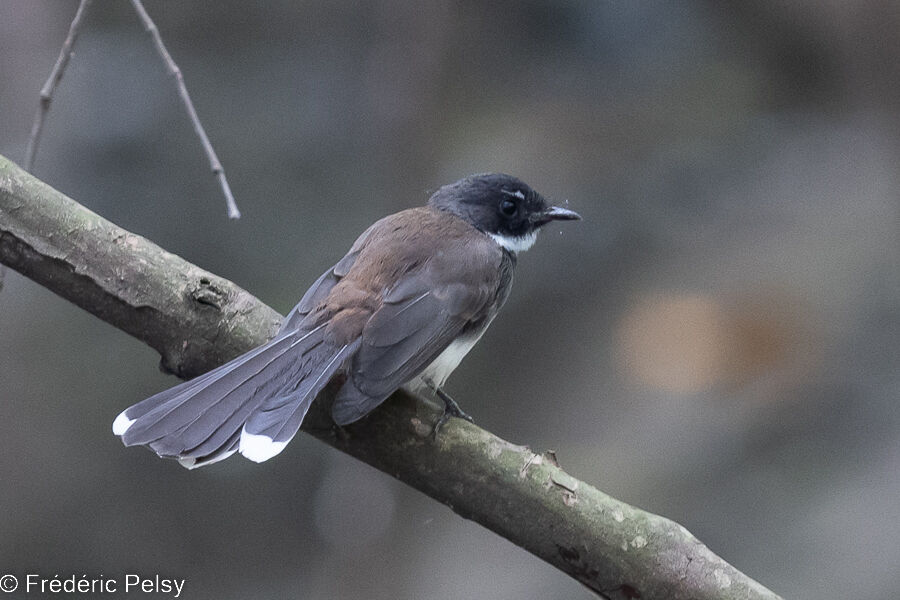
[(253, 404)]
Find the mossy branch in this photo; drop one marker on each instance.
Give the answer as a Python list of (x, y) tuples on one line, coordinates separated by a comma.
[(197, 321)]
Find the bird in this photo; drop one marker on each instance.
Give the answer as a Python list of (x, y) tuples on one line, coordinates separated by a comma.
[(403, 307)]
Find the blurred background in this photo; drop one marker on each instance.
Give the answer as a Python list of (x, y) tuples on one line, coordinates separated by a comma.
[(716, 342)]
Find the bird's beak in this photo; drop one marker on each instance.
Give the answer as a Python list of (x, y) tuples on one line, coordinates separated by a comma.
[(555, 213)]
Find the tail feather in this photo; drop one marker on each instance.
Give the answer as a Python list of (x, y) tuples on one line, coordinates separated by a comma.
[(276, 421), (223, 432), (221, 453), (148, 417), (136, 411), (351, 404), (204, 420), (214, 425)]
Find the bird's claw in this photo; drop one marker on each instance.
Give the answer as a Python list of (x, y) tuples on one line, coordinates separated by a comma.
[(451, 409)]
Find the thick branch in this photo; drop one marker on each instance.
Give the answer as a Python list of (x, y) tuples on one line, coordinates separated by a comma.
[(197, 320), (193, 318)]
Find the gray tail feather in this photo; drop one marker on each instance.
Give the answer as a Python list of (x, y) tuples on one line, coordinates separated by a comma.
[(351, 404), (269, 389), (280, 417)]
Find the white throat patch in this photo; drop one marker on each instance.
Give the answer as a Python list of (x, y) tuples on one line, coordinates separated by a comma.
[(516, 244)]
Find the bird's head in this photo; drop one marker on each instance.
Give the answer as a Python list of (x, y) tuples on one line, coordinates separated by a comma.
[(502, 206)]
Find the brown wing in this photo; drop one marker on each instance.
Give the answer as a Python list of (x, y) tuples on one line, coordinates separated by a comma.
[(321, 288), (451, 281)]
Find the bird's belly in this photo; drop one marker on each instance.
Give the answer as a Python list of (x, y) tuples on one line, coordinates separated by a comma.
[(435, 374)]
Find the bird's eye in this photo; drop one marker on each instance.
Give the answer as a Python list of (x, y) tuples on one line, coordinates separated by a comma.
[(508, 207)]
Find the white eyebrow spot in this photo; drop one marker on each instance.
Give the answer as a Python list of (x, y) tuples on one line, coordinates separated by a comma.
[(517, 194)]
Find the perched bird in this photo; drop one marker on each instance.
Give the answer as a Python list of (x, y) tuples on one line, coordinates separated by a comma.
[(412, 296)]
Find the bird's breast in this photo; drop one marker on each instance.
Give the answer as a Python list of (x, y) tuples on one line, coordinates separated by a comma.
[(435, 374)]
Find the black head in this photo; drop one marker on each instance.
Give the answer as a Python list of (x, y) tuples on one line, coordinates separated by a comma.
[(500, 205)]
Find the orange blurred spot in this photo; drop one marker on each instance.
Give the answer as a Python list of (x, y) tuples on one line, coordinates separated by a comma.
[(687, 343), (674, 342)]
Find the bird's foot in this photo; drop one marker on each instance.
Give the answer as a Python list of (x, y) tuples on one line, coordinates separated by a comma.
[(451, 409)]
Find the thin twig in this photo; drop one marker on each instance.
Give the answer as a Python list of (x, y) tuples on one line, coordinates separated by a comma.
[(65, 53), (214, 163)]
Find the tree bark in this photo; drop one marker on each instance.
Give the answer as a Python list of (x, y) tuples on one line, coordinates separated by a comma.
[(197, 321)]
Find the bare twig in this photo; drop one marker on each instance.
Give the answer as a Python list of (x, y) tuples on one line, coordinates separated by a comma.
[(65, 53), (197, 321), (173, 69)]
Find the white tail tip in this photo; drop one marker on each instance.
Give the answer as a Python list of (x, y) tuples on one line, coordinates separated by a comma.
[(259, 447), (122, 423)]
